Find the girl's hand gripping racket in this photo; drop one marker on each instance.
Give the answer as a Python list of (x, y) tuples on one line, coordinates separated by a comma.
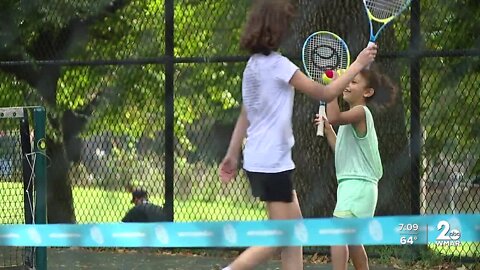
[(383, 12), (324, 51)]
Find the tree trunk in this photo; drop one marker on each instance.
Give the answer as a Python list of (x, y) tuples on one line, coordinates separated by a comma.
[(59, 192)]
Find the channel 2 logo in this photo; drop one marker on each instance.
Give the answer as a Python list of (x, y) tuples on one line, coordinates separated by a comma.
[(447, 236)]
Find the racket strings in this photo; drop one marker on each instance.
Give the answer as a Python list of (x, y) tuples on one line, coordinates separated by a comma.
[(323, 53), (383, 9)]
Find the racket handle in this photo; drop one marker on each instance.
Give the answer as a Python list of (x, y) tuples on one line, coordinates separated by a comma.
[(321, 113), (370, 44)]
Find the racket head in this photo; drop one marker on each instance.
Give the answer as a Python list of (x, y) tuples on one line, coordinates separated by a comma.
[(324, 50), (383, 12)]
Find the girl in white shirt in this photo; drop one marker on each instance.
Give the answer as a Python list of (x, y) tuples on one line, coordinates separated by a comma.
[(265, 120)]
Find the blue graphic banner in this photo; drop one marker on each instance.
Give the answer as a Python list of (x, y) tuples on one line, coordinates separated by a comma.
[(443, 230)]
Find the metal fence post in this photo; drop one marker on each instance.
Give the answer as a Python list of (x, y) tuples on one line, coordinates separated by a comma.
[(415, 128), (169, 108), (39, 118)]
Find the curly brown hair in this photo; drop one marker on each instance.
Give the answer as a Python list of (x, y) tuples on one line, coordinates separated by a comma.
[(266, 26), (385, 90)]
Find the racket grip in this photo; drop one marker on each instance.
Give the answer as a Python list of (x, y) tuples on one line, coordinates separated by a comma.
[(370, 44), (321, 113)]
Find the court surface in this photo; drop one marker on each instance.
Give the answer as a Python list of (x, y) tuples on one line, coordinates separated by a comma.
[(75, 258)]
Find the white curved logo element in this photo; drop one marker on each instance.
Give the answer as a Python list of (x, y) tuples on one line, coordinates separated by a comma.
[(34, 236), (456, 228), (96, 235), (301, 232), (162, 234), (230, 233), (376, 231)]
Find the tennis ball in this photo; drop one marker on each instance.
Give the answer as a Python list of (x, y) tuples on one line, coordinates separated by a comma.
[(327, 76)]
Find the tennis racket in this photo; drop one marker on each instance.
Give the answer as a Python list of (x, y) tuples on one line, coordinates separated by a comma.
[(324, 51), (383, 12)]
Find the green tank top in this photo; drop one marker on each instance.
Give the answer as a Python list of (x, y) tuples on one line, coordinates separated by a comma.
[(358, 157)]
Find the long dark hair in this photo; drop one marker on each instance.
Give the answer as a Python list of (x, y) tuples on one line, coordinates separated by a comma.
[(266, 26), (385, 90)]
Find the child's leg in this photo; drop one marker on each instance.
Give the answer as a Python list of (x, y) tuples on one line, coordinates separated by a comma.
[(291, 256), (340, 253), (339, 257), (359, 257), (252, 257)]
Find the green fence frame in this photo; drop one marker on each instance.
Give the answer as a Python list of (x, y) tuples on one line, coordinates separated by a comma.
[(40, 171), (40, 146)]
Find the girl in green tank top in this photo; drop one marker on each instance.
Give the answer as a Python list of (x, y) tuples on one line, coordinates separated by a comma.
[(358, 165)]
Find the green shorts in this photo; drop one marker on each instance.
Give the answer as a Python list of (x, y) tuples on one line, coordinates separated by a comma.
[(356, 198)]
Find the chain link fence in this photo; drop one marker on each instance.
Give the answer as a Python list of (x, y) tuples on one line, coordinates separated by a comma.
[(146, 94), (11, 192)]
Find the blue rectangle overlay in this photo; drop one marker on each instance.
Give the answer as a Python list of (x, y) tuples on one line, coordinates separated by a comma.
[(392, 230)]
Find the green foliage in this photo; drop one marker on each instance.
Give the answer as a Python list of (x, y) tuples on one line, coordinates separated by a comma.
[(13, 91), (445, 24), (123, 167), (449, 92), (449, 103), (134, 31), (134, 92)]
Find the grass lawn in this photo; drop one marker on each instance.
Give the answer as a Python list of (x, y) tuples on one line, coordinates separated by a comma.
[(466, 249), (94, 205), (11, 201)]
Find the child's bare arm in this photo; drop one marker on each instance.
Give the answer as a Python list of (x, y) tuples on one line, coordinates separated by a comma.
[(353, 116), (330, 134)]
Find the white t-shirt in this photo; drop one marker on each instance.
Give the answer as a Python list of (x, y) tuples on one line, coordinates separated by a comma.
[(268, 100)]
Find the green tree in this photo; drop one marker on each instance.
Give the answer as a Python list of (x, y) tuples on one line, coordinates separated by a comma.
[(85, 95), (449, 105), (451, 132), (50, 30)]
